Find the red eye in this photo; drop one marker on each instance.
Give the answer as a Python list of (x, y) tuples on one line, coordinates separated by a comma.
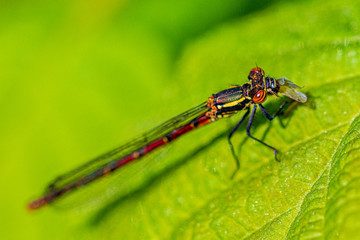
[(257, 69), (259, 97)]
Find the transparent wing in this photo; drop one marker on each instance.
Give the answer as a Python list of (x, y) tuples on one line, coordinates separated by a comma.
[(160, 131), (287, 88)]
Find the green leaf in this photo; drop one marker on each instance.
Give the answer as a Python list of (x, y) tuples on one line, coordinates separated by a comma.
[(311, 193), (314, 191), (69, 102)]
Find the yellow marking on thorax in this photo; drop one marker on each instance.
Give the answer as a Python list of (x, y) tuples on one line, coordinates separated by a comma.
[(232, 87), (265, 87), (234, 103)]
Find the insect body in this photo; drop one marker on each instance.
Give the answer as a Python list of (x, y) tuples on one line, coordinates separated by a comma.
[(220, 105)]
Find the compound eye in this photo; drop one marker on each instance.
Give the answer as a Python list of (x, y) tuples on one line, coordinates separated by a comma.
[(259, 97), (257, 69), (256, 74)]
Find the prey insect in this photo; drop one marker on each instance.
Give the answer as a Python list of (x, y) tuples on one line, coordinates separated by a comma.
[(219, 105)]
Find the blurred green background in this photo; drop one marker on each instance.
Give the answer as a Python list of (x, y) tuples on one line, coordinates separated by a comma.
[(80, 77)]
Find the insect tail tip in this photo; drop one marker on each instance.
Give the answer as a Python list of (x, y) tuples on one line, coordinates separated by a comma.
[(36, 204)]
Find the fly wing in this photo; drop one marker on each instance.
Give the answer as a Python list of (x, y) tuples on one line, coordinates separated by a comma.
[(287, 88)]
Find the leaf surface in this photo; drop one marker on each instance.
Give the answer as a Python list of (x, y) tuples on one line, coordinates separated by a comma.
[(314, 191)]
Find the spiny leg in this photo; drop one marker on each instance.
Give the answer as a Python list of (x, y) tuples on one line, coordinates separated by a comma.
[(249, 134), (237, 161), (267, 115)]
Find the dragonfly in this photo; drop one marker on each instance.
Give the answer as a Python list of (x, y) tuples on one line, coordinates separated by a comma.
[(220, 105)]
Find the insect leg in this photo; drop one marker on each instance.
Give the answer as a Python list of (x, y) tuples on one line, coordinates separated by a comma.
[(249, 134), (237, 161), (267, 115)]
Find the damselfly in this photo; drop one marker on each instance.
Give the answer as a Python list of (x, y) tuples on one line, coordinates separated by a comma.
[(219, 105)]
